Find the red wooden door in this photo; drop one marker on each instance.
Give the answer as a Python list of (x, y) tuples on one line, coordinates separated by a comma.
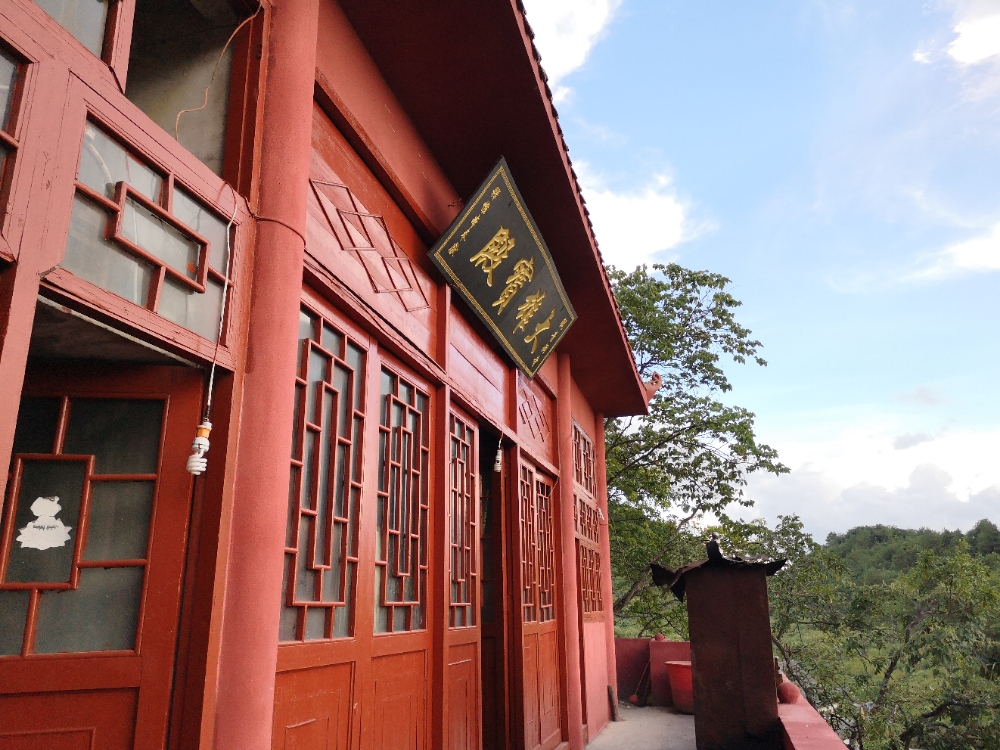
[(354, 664), (463, 555), (538, 668), (92, 551)]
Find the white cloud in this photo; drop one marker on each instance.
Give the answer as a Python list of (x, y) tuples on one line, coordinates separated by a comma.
[(978, 40), (868, 474), (635, 227), (979, 254), (565, 33)]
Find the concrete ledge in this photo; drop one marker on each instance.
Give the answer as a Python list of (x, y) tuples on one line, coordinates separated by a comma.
[(804, 729)]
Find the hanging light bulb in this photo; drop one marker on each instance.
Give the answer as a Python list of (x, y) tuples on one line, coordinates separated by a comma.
[(498, 464), (197, 463)]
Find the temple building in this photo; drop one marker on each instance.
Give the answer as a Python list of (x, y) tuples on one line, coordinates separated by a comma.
[(306, 348)]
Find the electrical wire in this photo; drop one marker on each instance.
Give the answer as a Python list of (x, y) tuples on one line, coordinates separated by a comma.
[(215, 72), (224, 306)]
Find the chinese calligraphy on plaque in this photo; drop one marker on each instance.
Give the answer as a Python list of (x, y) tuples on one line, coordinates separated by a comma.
[(495, 243)]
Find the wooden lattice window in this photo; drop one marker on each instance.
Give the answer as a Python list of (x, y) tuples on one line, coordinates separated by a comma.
[(324, 494), (463, 524), (529, 546), (401, 540), (587, 520), (10, 77), (136, 232), (537, 548), (583, 460), (589, 575)]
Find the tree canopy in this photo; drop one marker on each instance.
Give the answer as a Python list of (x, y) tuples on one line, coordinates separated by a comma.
[(689, 458)]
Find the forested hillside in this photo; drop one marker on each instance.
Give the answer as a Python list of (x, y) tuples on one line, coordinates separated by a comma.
[(877, 554)]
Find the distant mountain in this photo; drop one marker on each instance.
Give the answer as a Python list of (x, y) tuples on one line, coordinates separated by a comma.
[(877, 554)]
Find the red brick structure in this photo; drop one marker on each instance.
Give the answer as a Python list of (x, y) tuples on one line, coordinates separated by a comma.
[(229, 204)]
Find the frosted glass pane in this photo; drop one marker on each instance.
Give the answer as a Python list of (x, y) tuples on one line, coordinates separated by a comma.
[(13, 613), (119, 520), (289, 618), (160, 239), (198, 312), (123, 434), (104, 163), (38, 521), (315, 623), (101, 615), (205, 223), (84, 19), (36, 425), (96, 259), (8, 79)]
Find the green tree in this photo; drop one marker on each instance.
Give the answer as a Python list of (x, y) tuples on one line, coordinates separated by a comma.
[(912, 663), (689, 458)]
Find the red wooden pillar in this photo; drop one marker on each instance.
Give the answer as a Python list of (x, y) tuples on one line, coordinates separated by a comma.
[(37, 254), (253, 591), (570, 611), (607, 594)]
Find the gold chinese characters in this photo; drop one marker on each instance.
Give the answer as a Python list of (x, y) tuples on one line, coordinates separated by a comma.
[(494, 253), (524, 271), (528, 308), (543, 326)]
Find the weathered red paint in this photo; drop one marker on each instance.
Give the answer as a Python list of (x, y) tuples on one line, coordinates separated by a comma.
[(250, 628), (803, 728), (381, 129), (570, 610), (734, 690)]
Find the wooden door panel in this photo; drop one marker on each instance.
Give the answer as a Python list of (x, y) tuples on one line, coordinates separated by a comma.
[(94, 720), (312, 708), (548, 688), (529, 682), (490, 693), (400, 704), (537, 623), (463, 698)]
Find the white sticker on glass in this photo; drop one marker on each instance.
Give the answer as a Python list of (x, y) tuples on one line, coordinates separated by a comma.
[(46, 530)]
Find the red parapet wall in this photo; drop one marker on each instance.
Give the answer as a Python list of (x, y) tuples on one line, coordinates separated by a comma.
[(803, 728)]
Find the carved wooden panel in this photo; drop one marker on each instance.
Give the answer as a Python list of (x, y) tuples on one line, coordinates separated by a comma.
[(321, 544), (535, 418), (583, 460), (402, 535), (463, 534), (589, 577)]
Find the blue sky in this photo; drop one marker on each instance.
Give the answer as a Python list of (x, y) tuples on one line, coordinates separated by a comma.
[(840, 162)]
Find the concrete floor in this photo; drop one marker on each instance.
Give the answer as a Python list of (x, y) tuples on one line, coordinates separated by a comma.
[(651, 728)]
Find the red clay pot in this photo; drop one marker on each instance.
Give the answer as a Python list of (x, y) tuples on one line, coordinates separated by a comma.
[(681, 685)]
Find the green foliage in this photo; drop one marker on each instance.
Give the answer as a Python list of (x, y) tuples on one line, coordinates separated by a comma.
[(909, 663), (692, 454), (877, 554), (892, 634)]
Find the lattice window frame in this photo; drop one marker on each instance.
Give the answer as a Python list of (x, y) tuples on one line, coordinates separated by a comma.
[(538, 563), (404, 456), (343, 451), (529, 544), (584, 460), (463, 540), (589, 577)]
